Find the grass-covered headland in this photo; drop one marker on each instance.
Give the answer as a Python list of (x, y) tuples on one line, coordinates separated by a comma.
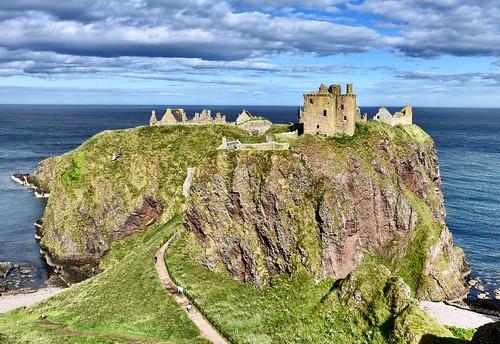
[(91, 195)]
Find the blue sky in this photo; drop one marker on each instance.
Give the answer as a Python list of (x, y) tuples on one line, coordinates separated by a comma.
[(425, 53)]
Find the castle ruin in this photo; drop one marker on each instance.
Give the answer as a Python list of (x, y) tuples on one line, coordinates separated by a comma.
[(179, 116), (402, 117), (328, 112)]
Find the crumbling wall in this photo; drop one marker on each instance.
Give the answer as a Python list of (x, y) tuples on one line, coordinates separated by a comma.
[(402, 117), (256, 126), (243, 117)]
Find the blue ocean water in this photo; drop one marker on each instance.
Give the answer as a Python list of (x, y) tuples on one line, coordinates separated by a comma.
[(468, 143)]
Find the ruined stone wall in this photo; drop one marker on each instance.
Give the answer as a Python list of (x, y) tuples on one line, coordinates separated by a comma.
[(402, 117), (346, 119), (319, 114)]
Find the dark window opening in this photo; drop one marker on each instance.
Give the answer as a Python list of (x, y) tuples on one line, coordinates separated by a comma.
[(311, 101), (342, 106), (317, 133), (345, 118), (317, 127), (324, 112)]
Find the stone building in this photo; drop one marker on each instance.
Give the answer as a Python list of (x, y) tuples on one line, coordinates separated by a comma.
[(402, 117), (243, 117), (328, 112), (173, 116)]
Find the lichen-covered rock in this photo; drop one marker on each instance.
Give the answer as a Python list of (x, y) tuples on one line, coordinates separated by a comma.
[(372, 294), (326, 206), (5, 268)]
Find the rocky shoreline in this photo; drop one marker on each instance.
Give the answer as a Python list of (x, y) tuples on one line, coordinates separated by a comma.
[(19, 279), (29, 181)]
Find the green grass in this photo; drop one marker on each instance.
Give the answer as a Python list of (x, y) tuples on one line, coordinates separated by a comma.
[(125, 300), (296, 310), (462, 333)]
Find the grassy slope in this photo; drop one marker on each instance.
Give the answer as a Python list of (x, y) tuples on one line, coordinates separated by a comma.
[(296, 310), (127, 300)]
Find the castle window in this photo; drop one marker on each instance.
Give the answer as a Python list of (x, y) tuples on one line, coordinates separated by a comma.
[(342, 106), (311, 101), (324, 112), (317, 133), (317, 127), (345, 118)]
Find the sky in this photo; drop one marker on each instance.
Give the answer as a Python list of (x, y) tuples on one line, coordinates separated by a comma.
[(255, 52)]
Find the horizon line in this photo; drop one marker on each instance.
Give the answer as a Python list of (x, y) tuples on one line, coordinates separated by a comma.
[(241, 105)]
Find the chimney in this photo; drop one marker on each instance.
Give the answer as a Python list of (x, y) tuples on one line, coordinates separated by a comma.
[(349, 89)]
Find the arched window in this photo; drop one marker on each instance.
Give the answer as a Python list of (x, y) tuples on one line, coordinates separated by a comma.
[(324, 112)]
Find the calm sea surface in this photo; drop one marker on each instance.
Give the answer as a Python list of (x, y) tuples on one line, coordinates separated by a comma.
[(468, 142)]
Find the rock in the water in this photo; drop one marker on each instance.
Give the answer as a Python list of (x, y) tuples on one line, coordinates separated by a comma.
[(487, 334), (55, 281), (473, 282), (5, 268)]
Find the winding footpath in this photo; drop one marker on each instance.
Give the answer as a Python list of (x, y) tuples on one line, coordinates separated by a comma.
[(206, 329)]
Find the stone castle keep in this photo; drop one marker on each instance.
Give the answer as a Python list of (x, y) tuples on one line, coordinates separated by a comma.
[(328, 112)]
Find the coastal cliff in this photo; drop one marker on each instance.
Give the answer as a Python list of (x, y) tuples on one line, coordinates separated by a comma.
[(325, 206), (114, 185)]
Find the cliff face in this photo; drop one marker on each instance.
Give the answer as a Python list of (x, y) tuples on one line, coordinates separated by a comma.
[(326, 207), (96, 200)]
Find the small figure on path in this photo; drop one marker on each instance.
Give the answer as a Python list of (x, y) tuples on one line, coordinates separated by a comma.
[(189, 307), (180, 290)]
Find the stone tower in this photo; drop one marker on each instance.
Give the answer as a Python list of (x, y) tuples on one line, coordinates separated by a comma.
[(328, 112)]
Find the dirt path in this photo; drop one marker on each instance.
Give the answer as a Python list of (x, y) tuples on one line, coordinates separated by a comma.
[(11, 302), (206, 329), (454, 316)]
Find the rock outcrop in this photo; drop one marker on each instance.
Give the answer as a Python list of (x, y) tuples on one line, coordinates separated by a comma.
[(5, 268), (487, 334), (326, 208), (146, 215)]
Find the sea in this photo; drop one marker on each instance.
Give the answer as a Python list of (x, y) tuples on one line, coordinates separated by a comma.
[(467, 140)]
